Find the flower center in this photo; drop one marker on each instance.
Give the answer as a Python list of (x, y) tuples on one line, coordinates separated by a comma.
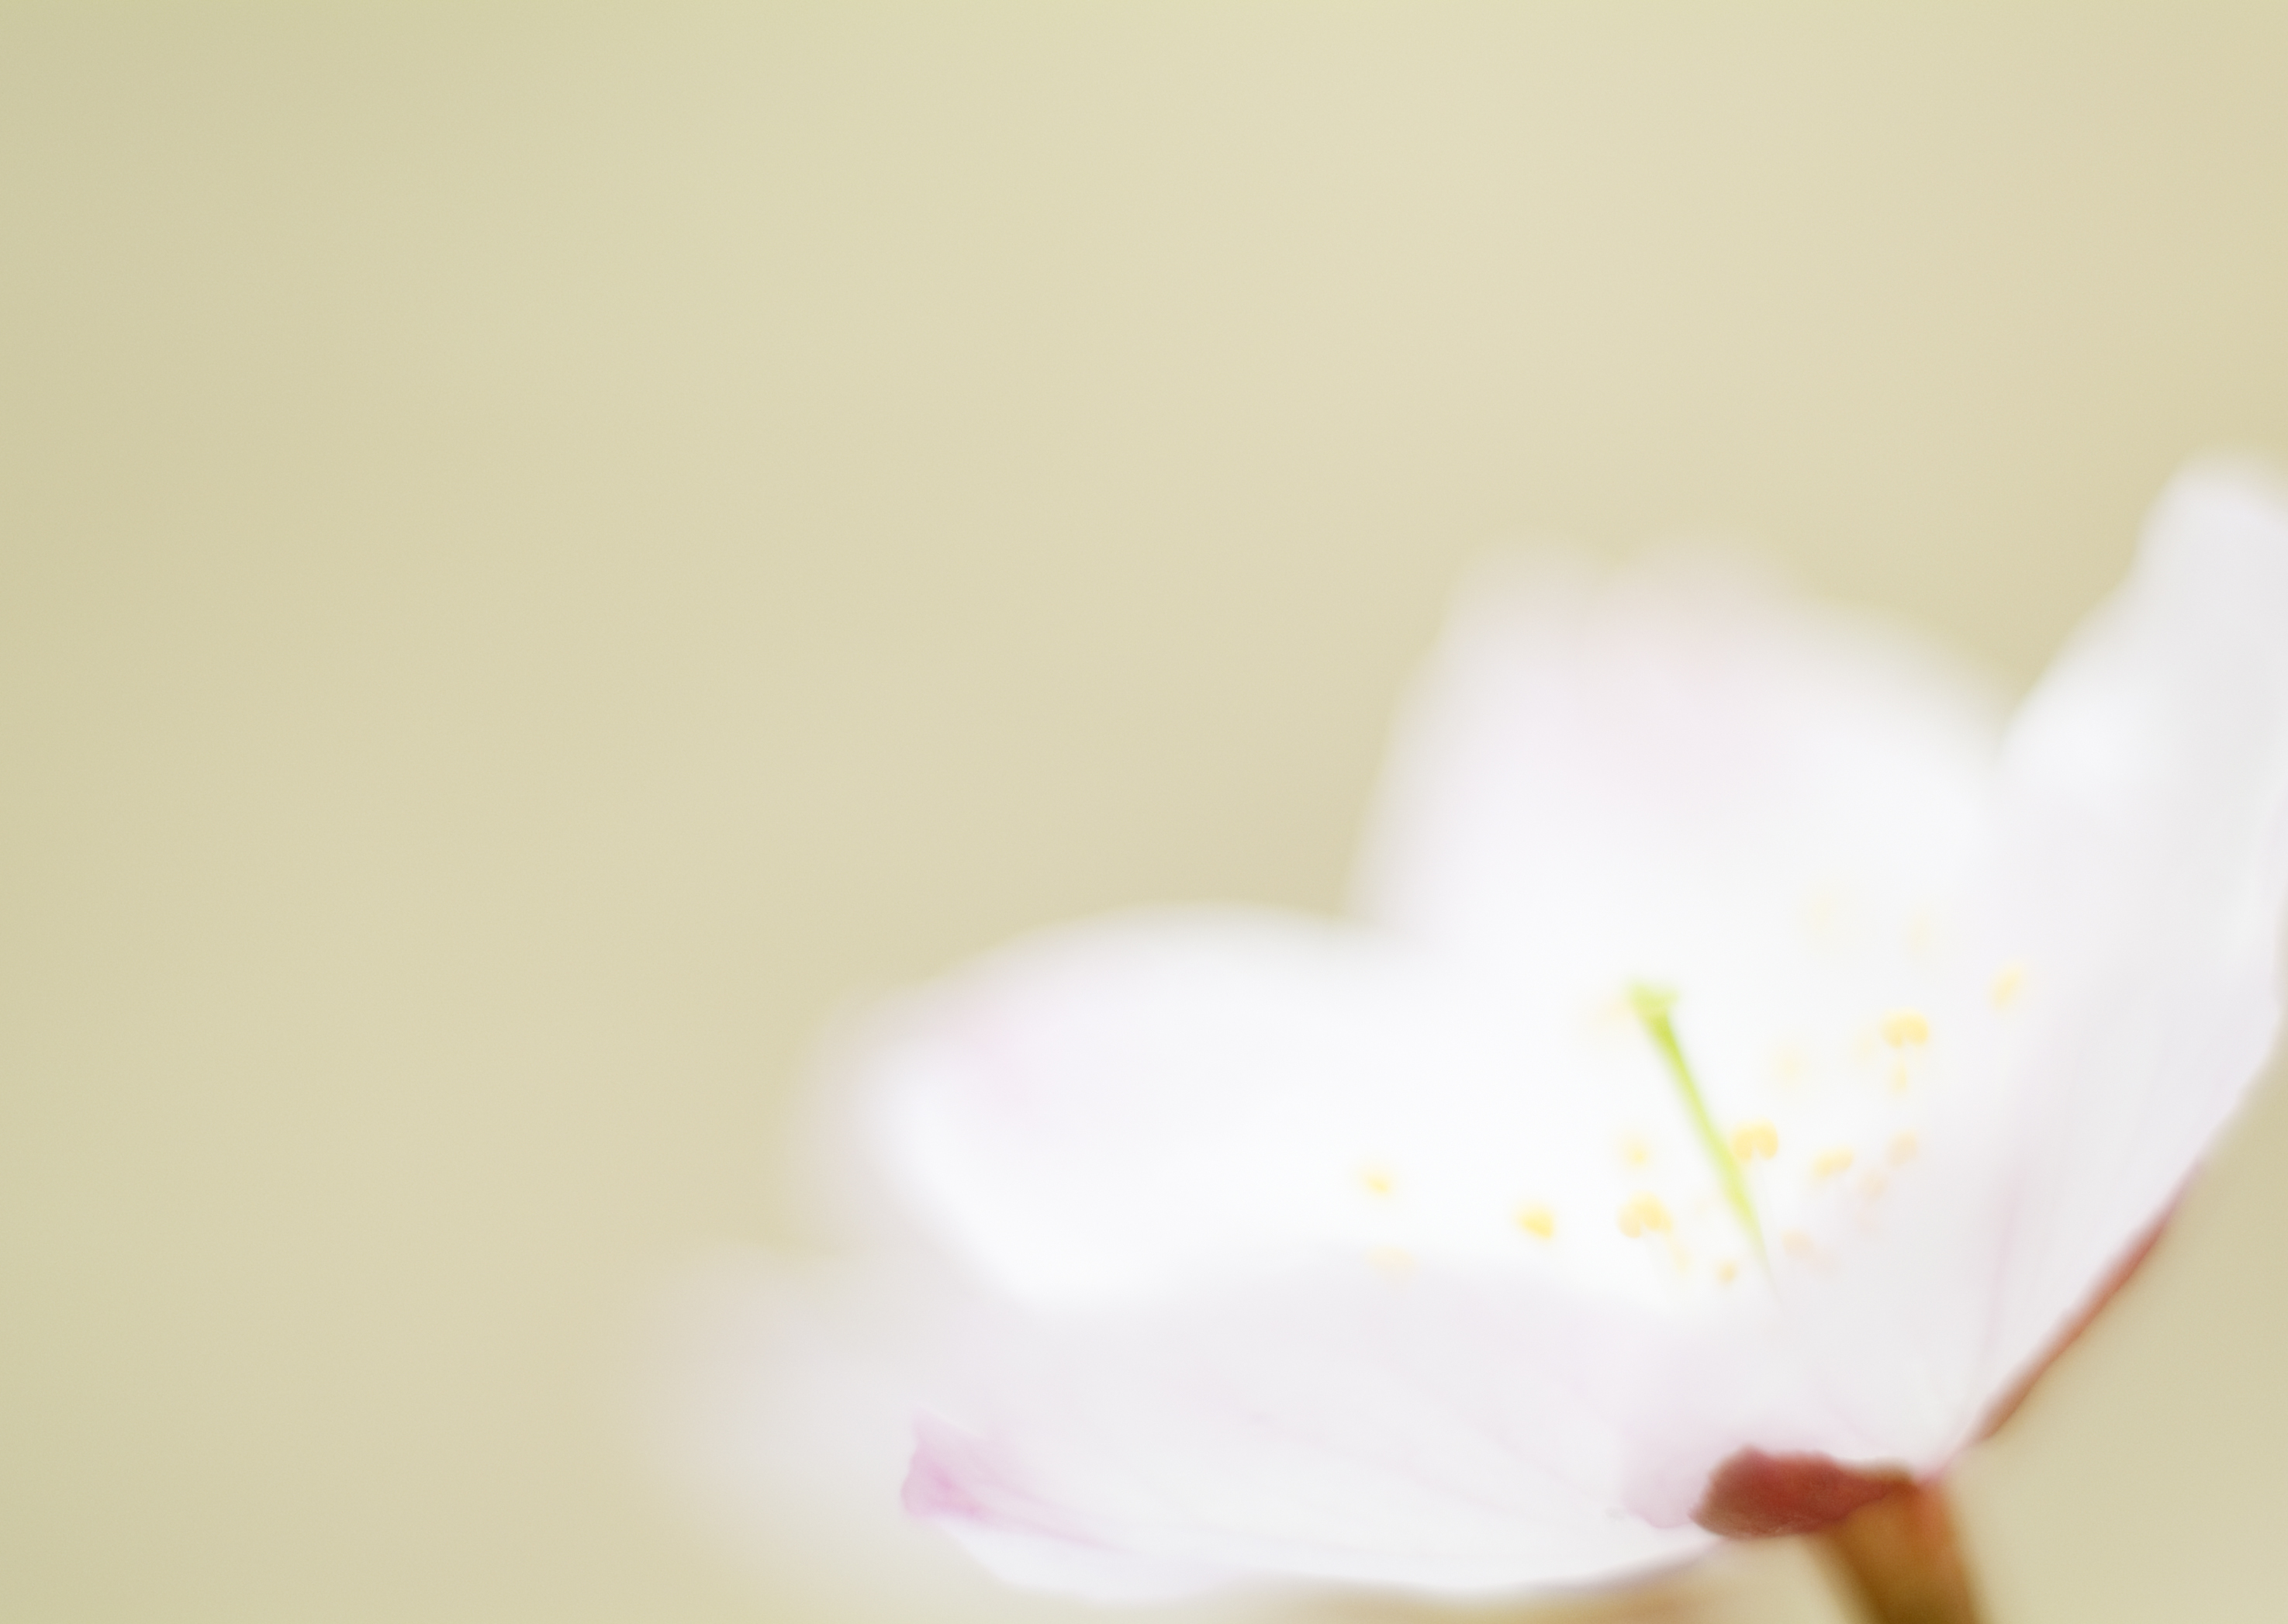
[(1651, 1005)]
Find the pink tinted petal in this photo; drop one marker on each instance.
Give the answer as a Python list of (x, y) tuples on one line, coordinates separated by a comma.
[(1672, 777), (2141, 879), (1639, 758), (1151, 1101), (954, 1482), (1886, 1335), (786, 1397), (782, 1398), (1421, 1430)]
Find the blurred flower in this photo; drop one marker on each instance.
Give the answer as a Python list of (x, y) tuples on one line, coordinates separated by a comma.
[(1755, 1060)]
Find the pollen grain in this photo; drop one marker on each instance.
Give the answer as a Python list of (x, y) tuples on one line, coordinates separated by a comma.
[(1645, 1215), (1904, 1028), (1757, 1141), (1829, 1163)]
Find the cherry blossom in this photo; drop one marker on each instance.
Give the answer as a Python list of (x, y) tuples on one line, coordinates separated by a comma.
[(1753, 1055)]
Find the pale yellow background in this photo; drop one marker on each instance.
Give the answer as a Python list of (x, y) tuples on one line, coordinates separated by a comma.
[(544, 550)]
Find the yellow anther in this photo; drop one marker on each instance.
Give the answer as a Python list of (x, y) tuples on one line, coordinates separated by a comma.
[(1378, 1180), (1832, 1163), (1644, 1215), (1537, 1220), (1755, 1142), (1634, 1150), (1728, 1271), (1799, 1244), (1903, 1149), (2007, 981), (1903, 1027)]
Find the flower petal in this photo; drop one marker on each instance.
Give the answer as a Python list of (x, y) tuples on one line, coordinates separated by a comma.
[(1660, 774), (955, 1482), (780, 1398), (1439, 1430), (2143, 874), (1778, 810), (1154, 1100)]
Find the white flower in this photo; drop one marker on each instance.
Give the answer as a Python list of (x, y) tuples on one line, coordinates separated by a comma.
[(1754, 1057)]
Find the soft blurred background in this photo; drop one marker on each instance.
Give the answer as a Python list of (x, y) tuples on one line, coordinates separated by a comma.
[(544, 550)]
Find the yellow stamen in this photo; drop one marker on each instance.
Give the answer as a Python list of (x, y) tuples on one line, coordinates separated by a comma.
[(1537, 1220), (2007, 981), (1634, 1150), (1757, 1141), (1644, 1215), (1903, 1149), (1728, 1271), (1832, 1163), (1903, 1027), (1799, 1244), (1378, 1180)]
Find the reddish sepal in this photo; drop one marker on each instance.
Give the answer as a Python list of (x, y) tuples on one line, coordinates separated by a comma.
[(1758, 1496)]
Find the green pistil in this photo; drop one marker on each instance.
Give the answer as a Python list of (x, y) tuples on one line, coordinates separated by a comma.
[(1652, 1005)]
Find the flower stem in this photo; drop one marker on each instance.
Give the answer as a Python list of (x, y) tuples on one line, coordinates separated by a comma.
[(1903, 1562)]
